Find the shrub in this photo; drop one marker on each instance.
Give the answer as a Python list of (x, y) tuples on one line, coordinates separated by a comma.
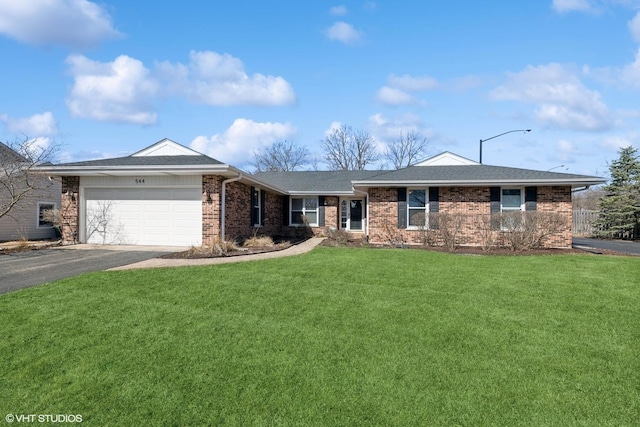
[(214, 247)]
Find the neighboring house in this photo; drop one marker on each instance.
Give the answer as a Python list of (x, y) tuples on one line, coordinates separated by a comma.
[(168, 194), (26, 219)]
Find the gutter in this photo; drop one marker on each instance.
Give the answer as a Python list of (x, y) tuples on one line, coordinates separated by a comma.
[(223, 203)]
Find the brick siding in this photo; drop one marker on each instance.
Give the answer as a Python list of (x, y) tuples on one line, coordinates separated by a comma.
[(470, 204), (69, 212)]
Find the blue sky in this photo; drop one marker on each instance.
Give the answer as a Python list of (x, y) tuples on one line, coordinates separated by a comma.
[(109, 78)]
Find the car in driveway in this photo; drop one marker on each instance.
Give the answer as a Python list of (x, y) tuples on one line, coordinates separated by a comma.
[(19, 270)]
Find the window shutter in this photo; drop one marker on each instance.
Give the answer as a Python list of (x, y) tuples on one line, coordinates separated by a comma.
[(530, 198), (285, 210), (434, 206), (321, 221), (263, 204), (495, 208), (254, 220), (402, 208), (434, 199)]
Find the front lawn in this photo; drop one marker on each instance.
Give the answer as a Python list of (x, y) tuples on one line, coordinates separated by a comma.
[(352, 337)]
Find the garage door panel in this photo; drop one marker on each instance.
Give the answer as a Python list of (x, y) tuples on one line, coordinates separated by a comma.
[(149, 216)]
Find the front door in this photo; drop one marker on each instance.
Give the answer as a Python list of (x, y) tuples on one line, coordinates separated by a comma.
[(351, 213)]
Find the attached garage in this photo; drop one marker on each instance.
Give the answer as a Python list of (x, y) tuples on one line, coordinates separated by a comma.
[(165, 194), (143, 216)]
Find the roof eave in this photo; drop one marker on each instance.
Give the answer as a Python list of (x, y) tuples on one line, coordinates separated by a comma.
[(138, 170), (475, 183), (320, 193)]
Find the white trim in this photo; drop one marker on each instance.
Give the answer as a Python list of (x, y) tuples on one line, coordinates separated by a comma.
[(363, 218), (314, 224), (522, 203), (166, 147), (447, 158), (425, 209)]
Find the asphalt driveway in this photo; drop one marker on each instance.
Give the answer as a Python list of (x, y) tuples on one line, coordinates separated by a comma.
[(622, 246), (23, 269)]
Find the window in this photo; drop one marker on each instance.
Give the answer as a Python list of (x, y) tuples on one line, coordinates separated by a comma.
[(304, 207), (255, 207), (44, 214), (417, 208), (511, 206), (511, 199)]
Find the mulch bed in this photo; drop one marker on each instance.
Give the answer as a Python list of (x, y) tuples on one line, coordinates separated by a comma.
[(195, 253), (474, 250)]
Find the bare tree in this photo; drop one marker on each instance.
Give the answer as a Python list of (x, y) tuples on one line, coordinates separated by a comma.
[(281, 156), (406, 150), (18, 176), (102, 224), (349, 149)]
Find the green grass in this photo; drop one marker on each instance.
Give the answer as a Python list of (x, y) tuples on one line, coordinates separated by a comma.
[(336, 337)]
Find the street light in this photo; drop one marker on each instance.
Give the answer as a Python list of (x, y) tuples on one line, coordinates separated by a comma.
[(483, 140), (555, 167)]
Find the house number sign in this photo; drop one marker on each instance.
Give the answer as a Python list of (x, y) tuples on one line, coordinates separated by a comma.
[(139, 180)]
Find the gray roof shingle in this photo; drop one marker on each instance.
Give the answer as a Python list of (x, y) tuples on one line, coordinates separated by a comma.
[(148, 161), (472, 173), (314, 181)]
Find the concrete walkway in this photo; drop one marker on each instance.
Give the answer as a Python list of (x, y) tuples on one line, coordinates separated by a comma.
[(298, 249)]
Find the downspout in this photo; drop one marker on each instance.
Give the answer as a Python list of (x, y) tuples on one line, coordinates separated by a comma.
[(367, 208), (223, 204)]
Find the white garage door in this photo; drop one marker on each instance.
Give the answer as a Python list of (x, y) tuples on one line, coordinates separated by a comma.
[(149, 216)]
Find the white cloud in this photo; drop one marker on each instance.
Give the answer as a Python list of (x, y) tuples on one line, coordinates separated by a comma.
[(334, 126), (562, 100), (338, 10), (634, 27), (627, 76), (72, 23), (37, 125), (118, 91), (384, 128), (392, 96), (614, 143), (236, 145), (215, 79), (343, 32), (399, 88), (562, 6)]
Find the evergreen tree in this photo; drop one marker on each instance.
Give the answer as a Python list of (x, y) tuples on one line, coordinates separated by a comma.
[(620, 207)]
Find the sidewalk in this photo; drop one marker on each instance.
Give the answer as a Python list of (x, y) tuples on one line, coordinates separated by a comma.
[(298, 249)]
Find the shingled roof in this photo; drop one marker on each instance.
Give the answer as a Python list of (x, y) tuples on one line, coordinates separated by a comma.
[(474, 175), (148, 161), (327, 182)]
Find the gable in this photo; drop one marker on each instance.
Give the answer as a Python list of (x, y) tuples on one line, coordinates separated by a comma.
[(166, 147), (447, 159)]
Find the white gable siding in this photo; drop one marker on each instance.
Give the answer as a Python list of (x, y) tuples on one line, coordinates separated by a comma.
[(166, 147), (447, 159)]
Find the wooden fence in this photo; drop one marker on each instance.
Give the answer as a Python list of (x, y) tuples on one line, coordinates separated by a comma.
[(582, 222)]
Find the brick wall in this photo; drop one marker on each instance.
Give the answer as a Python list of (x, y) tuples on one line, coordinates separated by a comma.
[(211, 205), (238, 213), (471, 205), (69, 212)]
